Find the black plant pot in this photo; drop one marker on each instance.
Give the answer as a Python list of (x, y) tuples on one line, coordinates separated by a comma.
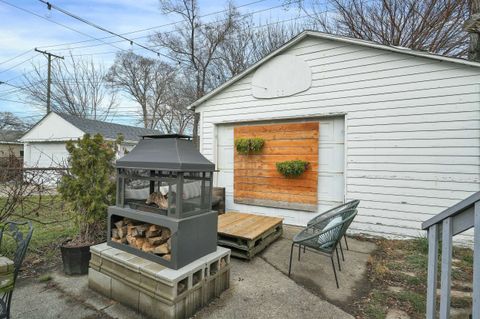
[(75, 259)]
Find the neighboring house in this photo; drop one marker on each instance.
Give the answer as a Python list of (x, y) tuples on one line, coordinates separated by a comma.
[(44, 143), (398, 130), (9, 143)]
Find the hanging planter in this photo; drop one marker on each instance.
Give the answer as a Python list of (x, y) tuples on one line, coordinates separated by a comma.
[(247, 146), (292, 168)]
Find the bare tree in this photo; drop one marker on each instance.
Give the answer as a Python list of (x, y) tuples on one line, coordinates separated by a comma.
[(274, 35), (11, 122), (472, 26), (152, 84), (430, 25), (193, 44), (24, 192), (78, 88)]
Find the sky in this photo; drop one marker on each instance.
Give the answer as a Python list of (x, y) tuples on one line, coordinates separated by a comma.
[(23, 31)]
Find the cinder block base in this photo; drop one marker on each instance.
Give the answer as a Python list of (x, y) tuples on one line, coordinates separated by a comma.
[(155, 290)]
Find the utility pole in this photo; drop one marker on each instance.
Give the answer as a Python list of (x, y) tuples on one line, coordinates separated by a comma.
[(49, 78), (472, 26)]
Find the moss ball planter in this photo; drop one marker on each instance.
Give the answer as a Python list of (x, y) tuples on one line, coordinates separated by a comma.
[(292, 169), (247, 146)]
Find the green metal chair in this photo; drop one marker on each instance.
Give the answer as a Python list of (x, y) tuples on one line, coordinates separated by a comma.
[(324, 237), (19, 238), (349, 205)]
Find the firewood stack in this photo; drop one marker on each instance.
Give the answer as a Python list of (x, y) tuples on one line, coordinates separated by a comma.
[(147, 237)]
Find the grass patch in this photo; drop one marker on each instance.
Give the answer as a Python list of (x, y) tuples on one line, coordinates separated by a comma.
[(45, 278), (376, 307), (403, 264), (52, 225)]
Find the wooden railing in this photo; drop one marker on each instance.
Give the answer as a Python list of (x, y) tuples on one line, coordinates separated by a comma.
[(441, 229)]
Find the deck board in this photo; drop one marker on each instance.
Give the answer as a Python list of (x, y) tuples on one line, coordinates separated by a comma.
[(245, 226)]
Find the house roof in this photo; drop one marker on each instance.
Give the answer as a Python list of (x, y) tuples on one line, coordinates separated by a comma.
[(10, 137), (326, 36), (106, 129)]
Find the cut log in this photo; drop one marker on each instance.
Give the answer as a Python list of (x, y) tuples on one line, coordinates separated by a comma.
[(166, 233), (120, 240), (161, 249), (139, 241), (156, 240), (131, 240), (153, 227), (147, 247), (122, 231), (154, 233), (131, 229), (120, 223), (115, 233), (169, 244), (167, 257), (140, 229)]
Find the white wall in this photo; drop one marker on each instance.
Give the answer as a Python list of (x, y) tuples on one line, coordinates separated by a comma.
[(52, 128), (412, 128), (45, 154)]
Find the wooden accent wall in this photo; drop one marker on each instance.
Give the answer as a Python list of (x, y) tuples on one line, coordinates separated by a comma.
[(256, 180)]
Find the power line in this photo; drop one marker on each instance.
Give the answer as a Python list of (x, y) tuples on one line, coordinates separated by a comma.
[(57, 23), (15, 57), (76, 17), (14, 101), (172, 31), (154, 27), (18, 64)]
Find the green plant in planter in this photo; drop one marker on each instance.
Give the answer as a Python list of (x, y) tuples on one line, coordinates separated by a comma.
[(292, 168), (246, 146), (88, 187)]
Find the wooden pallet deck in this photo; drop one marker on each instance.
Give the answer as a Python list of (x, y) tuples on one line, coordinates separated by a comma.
[(247, 234)]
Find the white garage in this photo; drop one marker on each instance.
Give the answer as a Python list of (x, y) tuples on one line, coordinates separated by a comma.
[(44, 143), (398, 129)]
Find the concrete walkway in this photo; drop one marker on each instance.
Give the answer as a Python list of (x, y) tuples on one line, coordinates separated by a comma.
[(259, 289)]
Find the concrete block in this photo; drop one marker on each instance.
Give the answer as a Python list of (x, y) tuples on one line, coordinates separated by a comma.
[(6, 265), (120, 271), (154, 308), (99, 248), (125, 294), (100, 282), (157, 291)]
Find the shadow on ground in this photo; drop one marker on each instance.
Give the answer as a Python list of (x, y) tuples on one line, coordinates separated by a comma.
[(314, 271), (259, 289)]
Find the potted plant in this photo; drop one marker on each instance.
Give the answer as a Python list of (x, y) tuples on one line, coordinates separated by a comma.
[(291, 169), (247, 146), (87, 189)]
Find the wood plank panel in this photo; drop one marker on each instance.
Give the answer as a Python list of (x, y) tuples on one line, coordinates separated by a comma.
[(256, 179), (243, 225)]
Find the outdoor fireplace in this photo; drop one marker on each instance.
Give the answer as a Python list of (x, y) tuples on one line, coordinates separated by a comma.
[(163, 211)]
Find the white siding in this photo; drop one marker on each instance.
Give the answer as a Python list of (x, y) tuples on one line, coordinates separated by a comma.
[(45, 154), (52, 128), (412, 127)]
